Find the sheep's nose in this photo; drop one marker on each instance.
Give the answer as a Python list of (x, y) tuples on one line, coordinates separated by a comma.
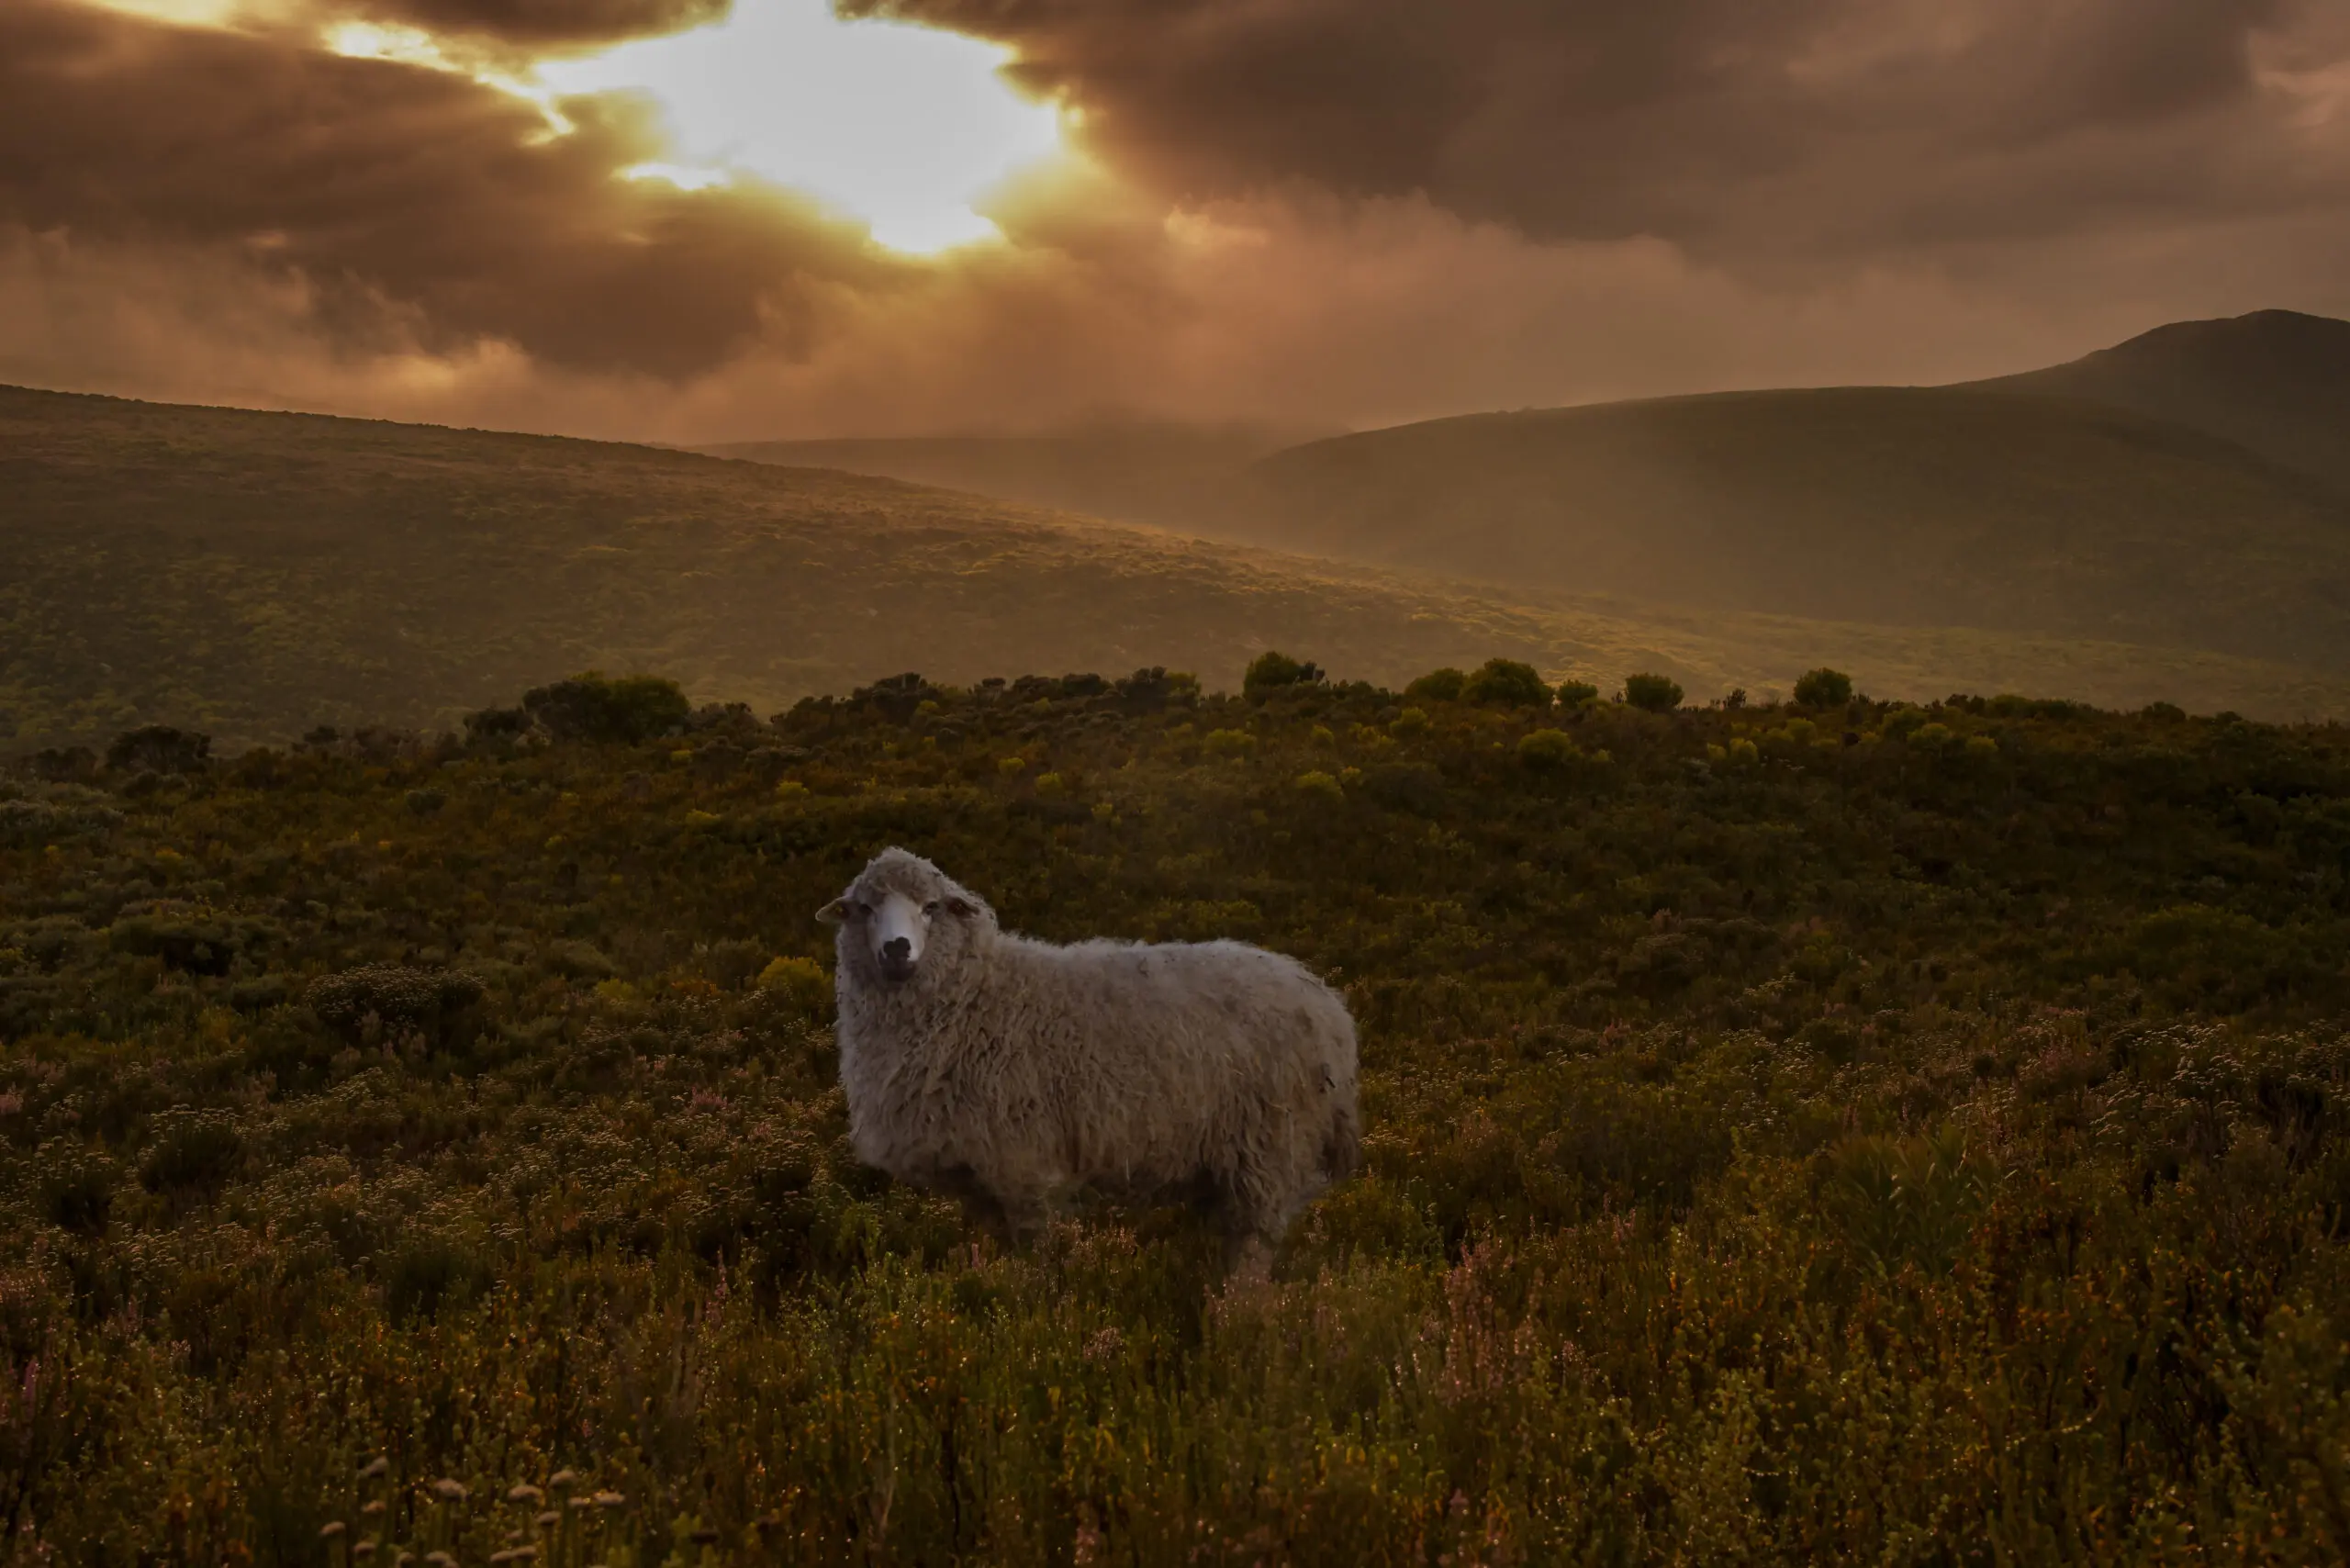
[(898, 949)]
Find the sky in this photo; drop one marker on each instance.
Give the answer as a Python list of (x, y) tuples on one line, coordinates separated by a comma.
[(686, 220)]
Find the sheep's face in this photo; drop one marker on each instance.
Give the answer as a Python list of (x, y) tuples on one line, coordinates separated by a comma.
[(901, 918)]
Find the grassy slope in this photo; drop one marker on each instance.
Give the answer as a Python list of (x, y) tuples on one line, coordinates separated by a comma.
[(255, 573), (2276, 382), (1169, 476), (1907, 506), (1798, 1154)]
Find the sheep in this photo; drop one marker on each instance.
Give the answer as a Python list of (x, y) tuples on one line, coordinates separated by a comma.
[(1017, 1075)]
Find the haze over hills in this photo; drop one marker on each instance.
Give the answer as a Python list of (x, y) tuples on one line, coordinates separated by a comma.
[(1916, 506), (1174, 475), (253, 574), (2276, 382), (2178, 491)]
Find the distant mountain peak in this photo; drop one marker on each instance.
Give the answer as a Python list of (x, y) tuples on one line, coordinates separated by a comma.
[(2276, 382)]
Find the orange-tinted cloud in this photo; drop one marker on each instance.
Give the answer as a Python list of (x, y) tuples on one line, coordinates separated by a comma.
[(1343, 211), (416, 205)]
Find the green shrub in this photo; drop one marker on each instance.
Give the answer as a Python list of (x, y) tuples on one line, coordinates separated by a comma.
[(1506, 683), (1907, 1200), (1229, 743), (1548, 750), (1321, 785), (159, 748), (75, 1187), (1271, 671), (1577, 694), (1824, 688), (1653, 693), (1438, 686), (627, 711), (191, 1153), (491, 726), (376, 1001), (430, 1274)]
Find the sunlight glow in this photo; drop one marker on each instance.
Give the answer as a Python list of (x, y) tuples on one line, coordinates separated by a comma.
[(902, 127), (182, 13)]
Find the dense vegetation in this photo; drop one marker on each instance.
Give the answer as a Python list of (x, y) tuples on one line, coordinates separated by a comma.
[(1849, 1133), (253, 576)]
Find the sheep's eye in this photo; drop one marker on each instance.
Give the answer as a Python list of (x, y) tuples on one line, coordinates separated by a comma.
[(861, 911), (930, 909)]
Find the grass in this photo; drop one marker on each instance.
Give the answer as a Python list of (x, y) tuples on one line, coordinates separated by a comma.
[(1870, 1135), (254, 576)]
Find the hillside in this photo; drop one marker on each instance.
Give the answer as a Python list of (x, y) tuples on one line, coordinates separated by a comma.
[(2276, 382), (1777, 1150), (1170, 475), (254, 575), (1913, 507)]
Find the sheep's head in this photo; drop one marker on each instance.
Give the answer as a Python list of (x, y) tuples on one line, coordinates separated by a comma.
[(903, 917)]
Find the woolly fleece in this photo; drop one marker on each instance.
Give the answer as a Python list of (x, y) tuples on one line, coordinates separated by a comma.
[(1016, 1074)]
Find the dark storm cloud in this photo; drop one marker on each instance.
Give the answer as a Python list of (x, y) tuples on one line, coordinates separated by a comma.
[(1730, 127), (414, 203)]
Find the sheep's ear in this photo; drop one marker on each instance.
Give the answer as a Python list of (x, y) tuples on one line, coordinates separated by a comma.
[(834, 912)]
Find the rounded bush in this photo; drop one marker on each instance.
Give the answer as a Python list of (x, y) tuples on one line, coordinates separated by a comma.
[(1320, 784), (800, 981), (1438, 686), (1824, 688), (1577, 694), (1547, 750), (1269, 671), (1508, 683), (628, 711), (1653, 693), (1230, 742)]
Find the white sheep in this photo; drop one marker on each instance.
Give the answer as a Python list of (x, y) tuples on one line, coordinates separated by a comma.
[(1015, 1074)]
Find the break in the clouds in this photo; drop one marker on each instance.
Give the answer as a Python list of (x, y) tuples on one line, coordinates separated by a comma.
[(1310, 210)]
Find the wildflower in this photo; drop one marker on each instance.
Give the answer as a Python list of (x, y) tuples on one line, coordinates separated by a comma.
[(565, 1477), (375, 1468), (609, 1499), (523, 1492), (330, 1529), (448, 1490)]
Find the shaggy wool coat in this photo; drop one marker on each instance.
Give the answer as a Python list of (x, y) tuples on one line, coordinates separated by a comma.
[(1015, 1073)]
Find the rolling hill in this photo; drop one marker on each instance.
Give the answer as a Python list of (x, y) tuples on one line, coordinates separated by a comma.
[(2189, 488), (2274, 382), (253, 574), (1910, 506), (1171, 475)]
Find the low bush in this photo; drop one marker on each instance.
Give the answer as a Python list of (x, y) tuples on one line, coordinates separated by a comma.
[(1653, 693), (1506, 683), (1824, 688)]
